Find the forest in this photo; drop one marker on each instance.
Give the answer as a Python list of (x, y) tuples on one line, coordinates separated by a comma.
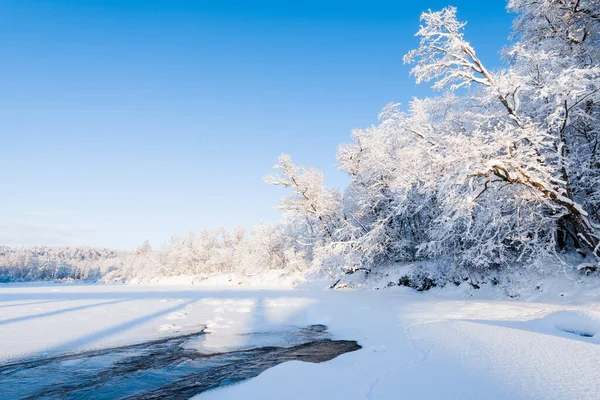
[(496, 175)]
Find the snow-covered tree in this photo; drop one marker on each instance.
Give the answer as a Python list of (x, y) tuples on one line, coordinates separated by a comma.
[(501, 176), (522, 141), (311, 201)]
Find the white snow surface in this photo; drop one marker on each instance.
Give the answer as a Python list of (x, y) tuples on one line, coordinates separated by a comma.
[(449, 343)]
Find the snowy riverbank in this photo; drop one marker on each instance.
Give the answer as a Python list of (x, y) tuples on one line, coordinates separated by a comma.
[(442, 344)]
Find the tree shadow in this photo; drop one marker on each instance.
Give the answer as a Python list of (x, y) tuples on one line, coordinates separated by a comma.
[(29, 304), (263, 324), (142, 295), (93, 337), (273, 316), (256, 322), (56, 312)]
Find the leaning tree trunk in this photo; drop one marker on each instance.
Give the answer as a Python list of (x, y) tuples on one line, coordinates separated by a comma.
[(587, 235)]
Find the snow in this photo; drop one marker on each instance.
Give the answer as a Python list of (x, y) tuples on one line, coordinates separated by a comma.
[(449, 343)]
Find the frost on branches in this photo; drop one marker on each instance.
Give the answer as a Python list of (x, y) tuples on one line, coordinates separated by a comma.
[(504, 176)]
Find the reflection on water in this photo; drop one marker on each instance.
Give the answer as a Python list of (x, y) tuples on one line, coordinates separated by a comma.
[(167, 368)]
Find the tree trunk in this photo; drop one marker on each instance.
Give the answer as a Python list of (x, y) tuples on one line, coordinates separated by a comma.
[(586, 233)]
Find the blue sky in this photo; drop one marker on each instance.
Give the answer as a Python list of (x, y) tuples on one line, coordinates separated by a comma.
[(129, 120)]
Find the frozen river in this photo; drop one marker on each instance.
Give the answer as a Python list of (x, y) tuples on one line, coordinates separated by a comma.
[(115, 341), (169, 368)]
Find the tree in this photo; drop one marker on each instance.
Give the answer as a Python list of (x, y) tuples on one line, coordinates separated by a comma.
[(526, 150), (311, 200)]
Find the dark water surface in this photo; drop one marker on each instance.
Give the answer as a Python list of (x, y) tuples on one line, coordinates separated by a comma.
[(159, 369)]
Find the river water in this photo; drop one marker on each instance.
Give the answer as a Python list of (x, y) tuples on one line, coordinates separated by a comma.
[(171, 367)]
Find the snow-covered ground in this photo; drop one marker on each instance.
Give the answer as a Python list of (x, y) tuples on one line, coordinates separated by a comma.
[(437, 345)]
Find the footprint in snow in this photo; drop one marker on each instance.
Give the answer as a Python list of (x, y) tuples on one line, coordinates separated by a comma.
[(379, 349), (581, 323), (177, 315), (169, 328)]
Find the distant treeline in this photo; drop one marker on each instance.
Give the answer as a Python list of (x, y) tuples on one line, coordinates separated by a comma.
[(55, 263)]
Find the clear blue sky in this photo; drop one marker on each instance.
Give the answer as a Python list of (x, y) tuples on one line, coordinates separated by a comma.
[(126, 120)]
